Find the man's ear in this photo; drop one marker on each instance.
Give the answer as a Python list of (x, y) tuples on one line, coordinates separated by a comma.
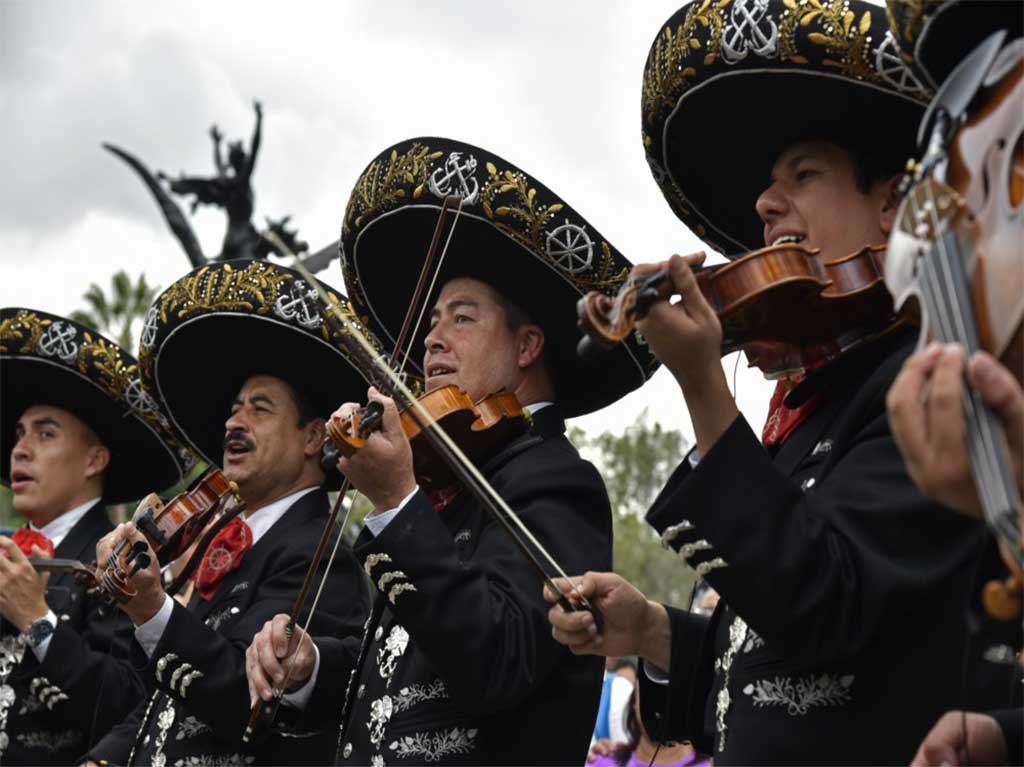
[(99, 459), (890, 203), (530, 345), (316, 433)]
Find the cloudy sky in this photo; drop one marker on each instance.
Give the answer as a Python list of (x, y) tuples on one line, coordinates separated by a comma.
[(552, 86)]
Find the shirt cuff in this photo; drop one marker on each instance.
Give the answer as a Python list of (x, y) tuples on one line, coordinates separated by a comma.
[(377, 521), (693, 458), (40, 649), (149, 633), (300, 698), (655, 674)]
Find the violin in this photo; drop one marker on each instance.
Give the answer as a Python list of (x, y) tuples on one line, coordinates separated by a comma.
[(841, 300), (479, 428), (169, 529), (955, 258)]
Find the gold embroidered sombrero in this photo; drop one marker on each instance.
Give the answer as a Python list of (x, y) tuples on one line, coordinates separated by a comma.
[(50, 360), (729, 84), (938, 34), (512, 233), (225, 322)]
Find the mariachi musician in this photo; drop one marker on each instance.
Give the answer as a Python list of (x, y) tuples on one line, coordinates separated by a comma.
[(78, 433), (457, 665), (840, 634), (242, 358)]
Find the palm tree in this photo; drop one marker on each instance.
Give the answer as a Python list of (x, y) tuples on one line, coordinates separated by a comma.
[(114, 316)]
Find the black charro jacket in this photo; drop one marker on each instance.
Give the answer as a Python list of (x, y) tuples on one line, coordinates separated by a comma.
[(457, 665), (843, 632), (198, 703), (48, 711)]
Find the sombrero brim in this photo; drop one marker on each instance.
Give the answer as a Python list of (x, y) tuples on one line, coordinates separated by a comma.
[(749, 115)]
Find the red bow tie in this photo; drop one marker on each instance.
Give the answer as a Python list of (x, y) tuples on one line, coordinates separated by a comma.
[(223, 555), (25, 538)]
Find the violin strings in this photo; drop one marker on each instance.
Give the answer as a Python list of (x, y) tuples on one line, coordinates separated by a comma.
[(473, 474), (992, 474), (430, 290)]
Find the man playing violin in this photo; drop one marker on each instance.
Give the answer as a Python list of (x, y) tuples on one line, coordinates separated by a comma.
[(71, 443), (270, 395), (836, 575), (457, 664)]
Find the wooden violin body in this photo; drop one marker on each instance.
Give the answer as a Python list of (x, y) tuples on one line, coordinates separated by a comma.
[(169, 528), (780, 300), (479, 428)]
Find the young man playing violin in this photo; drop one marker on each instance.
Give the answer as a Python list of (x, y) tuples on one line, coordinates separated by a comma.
[(840, 632), (270, 393), (457, 665), (71, 442)]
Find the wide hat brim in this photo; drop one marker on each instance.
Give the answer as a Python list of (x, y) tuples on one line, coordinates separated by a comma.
[(728, 86), (50, 360), (939, 34), (224, 323), (512, 233)]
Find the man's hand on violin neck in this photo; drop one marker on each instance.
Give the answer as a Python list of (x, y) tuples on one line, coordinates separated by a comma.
[(22, 589), (633, 625), (150, 597), (382, 469), (687, 337), (272, 662)]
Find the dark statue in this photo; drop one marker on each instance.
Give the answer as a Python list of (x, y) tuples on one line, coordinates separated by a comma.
[(231, 190)]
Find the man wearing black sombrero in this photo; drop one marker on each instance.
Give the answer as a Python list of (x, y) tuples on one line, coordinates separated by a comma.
[(841, 633), (78, 432), (457, 665), (246, 363)]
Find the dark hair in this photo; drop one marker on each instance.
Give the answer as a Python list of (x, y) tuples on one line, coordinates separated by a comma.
[(869, 167), (515, 317), (303, 404), (622, 753)]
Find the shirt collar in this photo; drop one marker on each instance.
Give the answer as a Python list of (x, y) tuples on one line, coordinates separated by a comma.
[(533, 407), (58, 529), (261, 520)]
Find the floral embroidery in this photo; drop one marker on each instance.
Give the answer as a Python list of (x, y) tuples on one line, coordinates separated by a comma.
[(190, 726), (737, 635), (49, 741), (163, 722), (12, 650), (802, 694), (380, 714), (394, 647), (224, 760), (415, 694), (433, 746), (377, 761)]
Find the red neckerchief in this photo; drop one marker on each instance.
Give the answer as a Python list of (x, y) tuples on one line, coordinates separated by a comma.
[(223, 555), (25, 538), (442, 498)]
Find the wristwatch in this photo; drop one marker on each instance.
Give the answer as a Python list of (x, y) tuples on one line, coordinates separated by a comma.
[(41, 630)]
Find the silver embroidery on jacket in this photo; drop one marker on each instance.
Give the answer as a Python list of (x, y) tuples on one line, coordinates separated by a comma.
[(190, 727), (674, 531), (49, 740), (163, 722), (380, 714), (706, 567), (737, 635), (222, 760), (415, 694), (12, 650), (803, 693), (398, 589), (372, 561), (389, 576), (394, 647), (433, 745)]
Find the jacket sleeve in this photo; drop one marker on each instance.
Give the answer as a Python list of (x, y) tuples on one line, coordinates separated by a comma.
[(84, 664), (482, 623), (338, 657), (205, 669), (819, 571)]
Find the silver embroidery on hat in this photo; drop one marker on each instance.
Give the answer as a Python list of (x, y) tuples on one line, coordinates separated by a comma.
[(457, 177)]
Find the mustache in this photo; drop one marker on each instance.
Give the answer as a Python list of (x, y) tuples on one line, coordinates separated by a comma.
[(238, 436)]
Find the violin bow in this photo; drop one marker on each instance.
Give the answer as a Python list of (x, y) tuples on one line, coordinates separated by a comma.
[(262, 714)]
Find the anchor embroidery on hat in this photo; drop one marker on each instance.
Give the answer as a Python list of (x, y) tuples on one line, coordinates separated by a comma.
[(750, 30), (59, 341), (456, 178), (300, 306)]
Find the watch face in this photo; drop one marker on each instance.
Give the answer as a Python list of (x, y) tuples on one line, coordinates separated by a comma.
[(39, 631)]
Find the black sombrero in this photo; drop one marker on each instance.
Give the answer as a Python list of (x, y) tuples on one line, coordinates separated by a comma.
[(225, 322), (51, 360), (939, 34), (717, 90), (512, 232)]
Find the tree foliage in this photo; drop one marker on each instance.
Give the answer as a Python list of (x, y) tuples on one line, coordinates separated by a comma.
[(635, 466), (114, 314)]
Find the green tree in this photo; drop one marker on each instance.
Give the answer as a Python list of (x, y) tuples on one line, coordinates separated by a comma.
[(114, 315), (635, 466)]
